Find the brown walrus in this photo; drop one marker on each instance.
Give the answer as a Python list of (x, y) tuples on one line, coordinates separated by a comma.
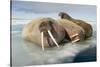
[(87, 27), (48, 32), (75, 32)]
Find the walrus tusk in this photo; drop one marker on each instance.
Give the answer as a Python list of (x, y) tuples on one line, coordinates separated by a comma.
[(75, 40), (42, 42), (53, 38), (74, 35)]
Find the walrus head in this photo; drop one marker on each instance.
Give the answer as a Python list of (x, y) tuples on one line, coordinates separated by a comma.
[(53, 32)]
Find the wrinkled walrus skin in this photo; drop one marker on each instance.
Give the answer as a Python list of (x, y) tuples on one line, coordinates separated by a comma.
[(61, 29)]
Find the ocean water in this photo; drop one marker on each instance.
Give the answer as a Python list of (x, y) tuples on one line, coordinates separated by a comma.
[(25, 53)]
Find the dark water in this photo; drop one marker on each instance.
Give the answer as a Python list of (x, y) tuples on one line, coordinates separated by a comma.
[(87, 55)]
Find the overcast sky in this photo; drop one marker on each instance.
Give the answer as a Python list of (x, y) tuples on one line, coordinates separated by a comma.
[(20, 8)]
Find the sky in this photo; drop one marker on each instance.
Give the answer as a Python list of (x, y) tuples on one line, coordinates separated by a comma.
[(30, 10)]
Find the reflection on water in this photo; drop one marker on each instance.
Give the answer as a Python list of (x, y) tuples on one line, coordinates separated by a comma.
[(26, 53)]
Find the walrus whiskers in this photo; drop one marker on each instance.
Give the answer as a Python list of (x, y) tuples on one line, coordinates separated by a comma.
[(42, 42), (53, 38)]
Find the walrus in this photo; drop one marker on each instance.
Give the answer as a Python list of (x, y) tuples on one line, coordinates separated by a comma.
[(75, 32), (47, 32), (87, 27)]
